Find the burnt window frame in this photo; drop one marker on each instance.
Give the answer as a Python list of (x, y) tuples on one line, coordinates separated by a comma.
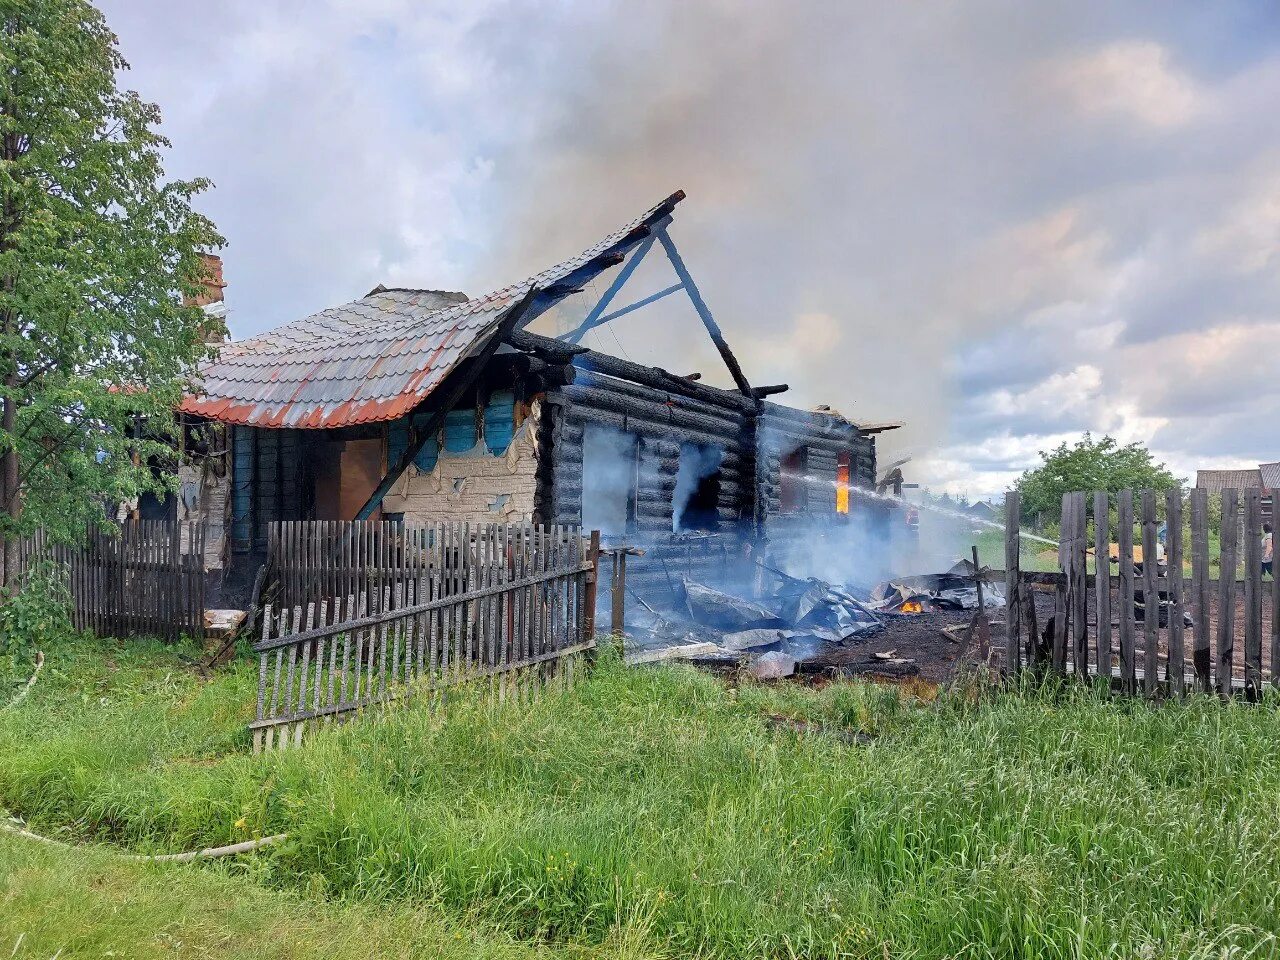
[(793, 492), (632, 504)]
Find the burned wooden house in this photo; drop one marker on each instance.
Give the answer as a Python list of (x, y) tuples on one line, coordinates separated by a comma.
[(422, 406)]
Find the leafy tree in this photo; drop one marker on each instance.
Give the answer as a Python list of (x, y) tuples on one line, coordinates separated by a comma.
[(97, 251), (1090, 464)]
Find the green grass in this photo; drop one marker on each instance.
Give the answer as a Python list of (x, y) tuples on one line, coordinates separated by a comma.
[(91, 904), (657, 809)]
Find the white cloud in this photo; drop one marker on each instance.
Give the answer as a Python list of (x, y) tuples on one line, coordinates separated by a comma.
[(1246, 238), (1129, 80)]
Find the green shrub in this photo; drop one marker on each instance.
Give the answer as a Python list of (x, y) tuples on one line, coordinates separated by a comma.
[(37, 614)]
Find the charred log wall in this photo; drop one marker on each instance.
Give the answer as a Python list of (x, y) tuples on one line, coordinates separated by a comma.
[(824, 438), (663, 412)]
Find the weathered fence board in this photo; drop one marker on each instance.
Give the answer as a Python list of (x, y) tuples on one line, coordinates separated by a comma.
[(1124, 544), (138, 578), (1200, 586), (1228, 616), (1078, 585), (1012, 583), (1176, 670), (1226, 589), (1253, 591), (1102, 581), (1150, 596), (424, 609)]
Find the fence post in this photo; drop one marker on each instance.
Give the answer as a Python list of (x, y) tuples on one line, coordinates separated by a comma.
[(1201, 647), (1124, 546), (1230, 536), (593, 579), (1062, 596), (1150, 595), (1176, 667), (1253, 593), (1102, 581), (1080, 587), (1012, 584), (618, 611)]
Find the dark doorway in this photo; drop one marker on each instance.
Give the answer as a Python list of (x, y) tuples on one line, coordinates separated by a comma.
[(694, 505)]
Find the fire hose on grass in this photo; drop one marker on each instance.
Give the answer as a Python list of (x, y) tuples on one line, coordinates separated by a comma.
[(14, 826)]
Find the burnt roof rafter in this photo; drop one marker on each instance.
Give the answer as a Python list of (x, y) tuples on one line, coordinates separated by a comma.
[(597, 316)]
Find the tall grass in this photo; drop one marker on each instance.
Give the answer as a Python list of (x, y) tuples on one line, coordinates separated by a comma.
[(659, 805)]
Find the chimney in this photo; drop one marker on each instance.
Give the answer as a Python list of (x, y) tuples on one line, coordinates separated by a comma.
[(209, 299)]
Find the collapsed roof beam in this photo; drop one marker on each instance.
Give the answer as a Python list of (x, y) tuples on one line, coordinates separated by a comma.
[(458, 383), (691, 288)]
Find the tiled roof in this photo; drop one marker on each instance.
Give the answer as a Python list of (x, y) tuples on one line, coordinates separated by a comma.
[(1270, 475), (378, 357), (1215, 481)]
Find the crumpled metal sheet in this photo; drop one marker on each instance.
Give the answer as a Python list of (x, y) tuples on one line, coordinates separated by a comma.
[(378, 357), (723, 611)]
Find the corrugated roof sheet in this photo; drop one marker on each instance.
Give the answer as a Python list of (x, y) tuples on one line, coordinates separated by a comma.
[(1215, 481), (1270, 475), (378, 357)]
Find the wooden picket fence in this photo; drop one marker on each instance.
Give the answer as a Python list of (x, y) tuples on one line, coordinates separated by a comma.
[(1107, 626), (137, 578), (424, 609)]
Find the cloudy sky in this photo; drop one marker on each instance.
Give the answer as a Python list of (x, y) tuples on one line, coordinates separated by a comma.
[(1002, 223)]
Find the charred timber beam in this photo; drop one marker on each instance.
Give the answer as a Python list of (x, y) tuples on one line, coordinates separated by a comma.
[(543, 346), (660, 379), (540, 373), (693, 376), (613, 385), (769, 391), (656, 412), (646, 429), (786, 440)]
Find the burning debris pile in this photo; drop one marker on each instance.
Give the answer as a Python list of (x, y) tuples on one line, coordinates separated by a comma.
[(956, 589), (797, 621)]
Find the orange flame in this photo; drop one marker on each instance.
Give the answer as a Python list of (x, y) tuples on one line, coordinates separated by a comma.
[(912, 606)]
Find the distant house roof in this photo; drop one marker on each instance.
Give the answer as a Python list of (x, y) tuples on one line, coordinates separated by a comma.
[(1215, 481), (983, 509), (1270, 475), (378, 357)]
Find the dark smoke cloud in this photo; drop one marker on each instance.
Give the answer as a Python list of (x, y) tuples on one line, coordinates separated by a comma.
[(1004, 223)]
